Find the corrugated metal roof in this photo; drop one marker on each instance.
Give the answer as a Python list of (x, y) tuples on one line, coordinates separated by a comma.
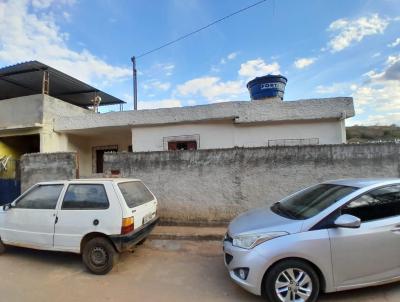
[(26, 79)]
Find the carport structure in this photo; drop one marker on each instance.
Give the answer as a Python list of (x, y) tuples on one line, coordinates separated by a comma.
[(32, 95)]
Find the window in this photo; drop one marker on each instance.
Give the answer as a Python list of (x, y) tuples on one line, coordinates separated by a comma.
[(182, 145), (41, 197), (85, 197), (377, 204), (135, 193), (312, 201)]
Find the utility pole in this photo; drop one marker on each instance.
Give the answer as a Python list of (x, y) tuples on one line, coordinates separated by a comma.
[(133, 59)]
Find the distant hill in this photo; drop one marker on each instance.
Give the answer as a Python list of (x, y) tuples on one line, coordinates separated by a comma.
[(360, 134)]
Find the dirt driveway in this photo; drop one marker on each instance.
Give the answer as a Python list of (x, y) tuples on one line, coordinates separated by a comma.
[(157, 271)]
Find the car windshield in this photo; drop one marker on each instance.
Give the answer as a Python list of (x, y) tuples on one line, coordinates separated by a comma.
[(309, 202)]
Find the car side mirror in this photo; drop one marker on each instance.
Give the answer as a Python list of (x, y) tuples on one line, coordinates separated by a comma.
[(7, 207), (348, 221)]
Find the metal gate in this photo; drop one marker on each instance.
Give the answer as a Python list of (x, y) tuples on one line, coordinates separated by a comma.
[(10, 180)]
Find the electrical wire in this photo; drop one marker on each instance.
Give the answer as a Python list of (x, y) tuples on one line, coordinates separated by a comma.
[(200, 29)]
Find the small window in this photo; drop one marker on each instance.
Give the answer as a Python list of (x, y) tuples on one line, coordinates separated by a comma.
[(182, 145), (377, 204), (85, 197), (41, 197), (135, 193)]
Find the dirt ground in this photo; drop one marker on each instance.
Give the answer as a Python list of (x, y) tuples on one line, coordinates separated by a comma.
[(157, 271)]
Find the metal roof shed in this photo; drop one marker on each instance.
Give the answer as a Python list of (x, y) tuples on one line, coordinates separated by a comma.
[(34, 77)]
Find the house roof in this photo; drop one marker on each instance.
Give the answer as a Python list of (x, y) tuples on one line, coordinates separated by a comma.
[(243, 112), (26, 79)]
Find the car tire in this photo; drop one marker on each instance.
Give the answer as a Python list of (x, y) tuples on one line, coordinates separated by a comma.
[(99, 256), (295, 278), (2, 247), (142, 241)]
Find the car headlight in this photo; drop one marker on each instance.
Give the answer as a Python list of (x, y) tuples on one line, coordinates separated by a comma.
[(248, 241)]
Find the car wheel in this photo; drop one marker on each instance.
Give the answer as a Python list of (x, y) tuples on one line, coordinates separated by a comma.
[(142, 241), (291, 280), (2, 247), (99, 256)]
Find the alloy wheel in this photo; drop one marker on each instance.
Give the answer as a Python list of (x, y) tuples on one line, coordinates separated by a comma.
[(293, 285)]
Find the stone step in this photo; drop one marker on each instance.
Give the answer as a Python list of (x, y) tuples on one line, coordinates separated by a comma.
[(188, 233)]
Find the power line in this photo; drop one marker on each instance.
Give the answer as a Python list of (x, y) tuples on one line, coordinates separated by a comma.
[(200, 29)]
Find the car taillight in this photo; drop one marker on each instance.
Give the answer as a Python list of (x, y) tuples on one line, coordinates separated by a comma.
[(127, 225)]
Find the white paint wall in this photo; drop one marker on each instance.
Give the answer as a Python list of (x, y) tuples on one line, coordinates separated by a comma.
[(83, 145), (214, 135)]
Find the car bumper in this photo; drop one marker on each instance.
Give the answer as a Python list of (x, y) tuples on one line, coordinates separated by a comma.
[(235, 258), (128, 241)]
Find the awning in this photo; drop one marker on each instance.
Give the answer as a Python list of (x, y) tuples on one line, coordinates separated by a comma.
[(27, 79)]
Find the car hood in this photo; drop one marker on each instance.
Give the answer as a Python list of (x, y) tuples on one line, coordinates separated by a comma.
[(263, 220)]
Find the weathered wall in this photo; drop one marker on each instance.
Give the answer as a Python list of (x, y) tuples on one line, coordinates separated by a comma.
[(215, 185), (238, 135), (26, 111), (39, 167)]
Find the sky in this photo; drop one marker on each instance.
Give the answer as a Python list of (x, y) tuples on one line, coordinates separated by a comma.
[(324, 48)]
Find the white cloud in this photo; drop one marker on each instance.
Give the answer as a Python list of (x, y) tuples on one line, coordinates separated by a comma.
[(229, 57), (391, 72), (349, 32), (232, 55), (334, 89), (258, 67), (395, 43), (380, 93), (216, 90), (304, 62), (157, 85), (166, 103), (35, 35), (211, 88), (43, 4)]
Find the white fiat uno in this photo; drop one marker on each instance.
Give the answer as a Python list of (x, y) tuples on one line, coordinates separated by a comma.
[(97, 218)]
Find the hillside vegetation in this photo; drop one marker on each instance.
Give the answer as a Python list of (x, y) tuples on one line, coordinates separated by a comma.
[(372, 133)]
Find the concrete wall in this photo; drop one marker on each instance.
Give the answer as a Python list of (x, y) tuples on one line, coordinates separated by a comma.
[(39, 167), (84, 146), (216, 185), (51, 141), (227, 134), (26, 111)]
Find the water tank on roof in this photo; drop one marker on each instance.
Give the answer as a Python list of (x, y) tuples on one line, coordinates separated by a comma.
[(269, 86)]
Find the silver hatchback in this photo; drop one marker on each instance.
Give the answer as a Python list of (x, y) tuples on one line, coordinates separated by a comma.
[(330, 237)]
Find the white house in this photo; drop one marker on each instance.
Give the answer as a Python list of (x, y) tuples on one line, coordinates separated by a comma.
[(36, 119)]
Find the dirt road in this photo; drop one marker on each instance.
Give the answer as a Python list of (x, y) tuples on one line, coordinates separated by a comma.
[(157, 271)]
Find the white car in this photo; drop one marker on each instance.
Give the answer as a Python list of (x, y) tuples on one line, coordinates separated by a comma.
[(97, 218)]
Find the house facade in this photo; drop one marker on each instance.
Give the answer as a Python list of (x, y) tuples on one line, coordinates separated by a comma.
[(61, 119)]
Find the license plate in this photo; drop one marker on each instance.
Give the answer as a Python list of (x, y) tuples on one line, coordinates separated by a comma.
[(148, 217)]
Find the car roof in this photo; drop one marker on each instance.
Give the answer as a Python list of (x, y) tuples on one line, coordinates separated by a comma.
[(83, 180), (363, 182)]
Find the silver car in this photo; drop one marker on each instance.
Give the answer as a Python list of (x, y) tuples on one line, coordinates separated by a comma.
[(330, 237)]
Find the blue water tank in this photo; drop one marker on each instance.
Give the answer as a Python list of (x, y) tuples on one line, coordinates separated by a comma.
[(268, 86)]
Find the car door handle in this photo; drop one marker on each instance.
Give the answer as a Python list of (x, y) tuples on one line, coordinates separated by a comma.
[(56, 220)]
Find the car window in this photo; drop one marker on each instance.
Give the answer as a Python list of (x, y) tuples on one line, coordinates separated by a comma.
[(377, 204), (40, 197), (85, 197), (135, 193), (310, 202)]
